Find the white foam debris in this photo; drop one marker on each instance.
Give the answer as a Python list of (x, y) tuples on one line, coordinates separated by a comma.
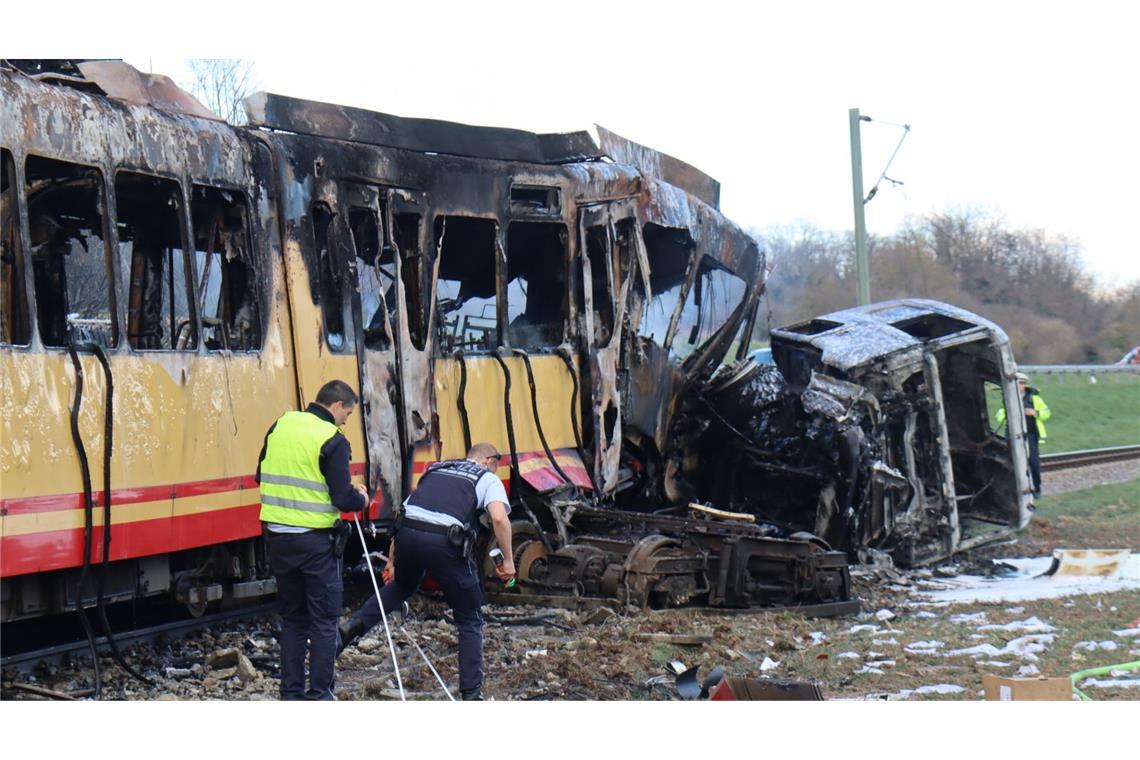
[(862, 628), (1025, 647), (1015, 610), (884, 615), (925, 615), (1032, 625), (881, 664), (976, 617), (873, 654), (995, 663), (1030, 582), (1112, 683), (940, 688), (1092, 646), (924, 647), (848, 655), (885, 642), (866, 669), (817, 637), (769, 664)]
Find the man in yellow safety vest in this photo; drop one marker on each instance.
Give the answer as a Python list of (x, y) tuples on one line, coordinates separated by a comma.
[(305, 482)]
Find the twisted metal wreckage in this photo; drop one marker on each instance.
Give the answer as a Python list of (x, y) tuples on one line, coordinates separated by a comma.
[(586, 307)]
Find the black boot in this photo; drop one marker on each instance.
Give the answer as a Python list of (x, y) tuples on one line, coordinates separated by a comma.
[(472, 695), (348, 632)]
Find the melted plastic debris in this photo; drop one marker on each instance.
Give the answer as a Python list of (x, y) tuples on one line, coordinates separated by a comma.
[(1029, 582)]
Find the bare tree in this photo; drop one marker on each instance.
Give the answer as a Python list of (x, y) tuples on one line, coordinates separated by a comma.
[(221, 84)]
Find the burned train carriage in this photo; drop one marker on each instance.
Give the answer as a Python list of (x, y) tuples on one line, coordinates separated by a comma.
[(563, 301)]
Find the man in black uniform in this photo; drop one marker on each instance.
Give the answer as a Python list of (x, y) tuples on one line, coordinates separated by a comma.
[(304, 477), (435, 536)]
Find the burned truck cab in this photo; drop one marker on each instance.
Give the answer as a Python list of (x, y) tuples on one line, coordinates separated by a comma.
[(877, 430)]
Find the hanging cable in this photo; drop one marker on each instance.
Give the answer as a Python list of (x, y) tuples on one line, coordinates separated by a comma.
[(537, 421), (569, 361), (108, 448), (461, 403), (88, 509), (516, 476)]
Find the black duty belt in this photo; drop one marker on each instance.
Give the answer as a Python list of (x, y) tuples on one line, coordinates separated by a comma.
[(428, 527)]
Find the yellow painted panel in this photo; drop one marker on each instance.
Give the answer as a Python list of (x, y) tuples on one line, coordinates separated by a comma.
[(487, 412), (37, 522)]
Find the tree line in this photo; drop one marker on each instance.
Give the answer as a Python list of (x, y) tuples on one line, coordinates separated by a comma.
[(1029, 282)]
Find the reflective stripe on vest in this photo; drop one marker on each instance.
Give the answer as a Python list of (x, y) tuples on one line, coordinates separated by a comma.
[(293, 489)]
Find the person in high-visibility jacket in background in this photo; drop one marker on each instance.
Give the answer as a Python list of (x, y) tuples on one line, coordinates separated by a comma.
[(1036, 415), (305, 481)]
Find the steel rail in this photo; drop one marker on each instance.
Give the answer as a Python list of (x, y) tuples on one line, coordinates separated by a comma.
[(22, 661), (1068, 460)]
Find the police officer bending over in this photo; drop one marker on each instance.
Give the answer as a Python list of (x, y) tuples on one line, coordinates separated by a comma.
[(305, 481), (436, 535)]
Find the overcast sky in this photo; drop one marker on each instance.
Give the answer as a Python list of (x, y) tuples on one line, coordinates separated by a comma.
[(1026, 109)]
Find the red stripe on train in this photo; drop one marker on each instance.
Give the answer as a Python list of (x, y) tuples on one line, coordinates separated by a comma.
[(68, 501), (59, 549)]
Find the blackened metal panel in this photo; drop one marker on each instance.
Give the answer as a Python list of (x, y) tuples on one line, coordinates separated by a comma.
[(422, 135), (661, 166)]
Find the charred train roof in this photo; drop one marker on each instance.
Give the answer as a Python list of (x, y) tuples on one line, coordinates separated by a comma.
[(858, 336)]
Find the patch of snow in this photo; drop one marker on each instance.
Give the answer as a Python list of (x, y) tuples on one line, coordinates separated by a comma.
[(884, 615), (866, 669), (1015, 610), (817, 637), (1092, 646), (769, 664), (848, 656), (941, 688), (924, 614), (995, 663), (885, 642), (1028, 670), (881, 664), (863, 628), (1128, 633)]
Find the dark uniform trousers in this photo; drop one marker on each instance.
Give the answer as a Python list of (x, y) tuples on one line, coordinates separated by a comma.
[(309, 588), (418, 553), (1035, 461)]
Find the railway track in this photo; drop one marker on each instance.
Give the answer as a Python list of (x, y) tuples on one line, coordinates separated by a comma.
[(25, 661), (1068, 460)]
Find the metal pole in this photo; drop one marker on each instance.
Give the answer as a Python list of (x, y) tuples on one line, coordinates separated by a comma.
[(862, 268)]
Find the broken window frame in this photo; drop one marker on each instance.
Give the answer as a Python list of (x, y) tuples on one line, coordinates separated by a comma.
[(602, 304), (15, 315), (492, 315), (371, 284), (657, 294), (224, 323), (515, 335), (182, 327), (709, 272), (331, 280), (409, 250), (88, 328)]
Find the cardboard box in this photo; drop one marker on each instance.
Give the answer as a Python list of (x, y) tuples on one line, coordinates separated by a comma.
[(752, 689), (999, 689)]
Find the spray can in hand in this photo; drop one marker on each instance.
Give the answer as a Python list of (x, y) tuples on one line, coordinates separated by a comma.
[(496, 556)]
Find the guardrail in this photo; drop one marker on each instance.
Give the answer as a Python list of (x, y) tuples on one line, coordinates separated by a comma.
[(1087, 369)]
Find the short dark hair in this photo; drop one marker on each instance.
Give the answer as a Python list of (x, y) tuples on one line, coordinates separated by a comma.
[(334, 391)]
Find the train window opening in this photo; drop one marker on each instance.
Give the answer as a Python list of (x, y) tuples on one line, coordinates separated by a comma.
[(466, 301), (154, 267), (536, 284), (329, 287), (668, 250), (70, 262), (14, 325), (598, 254), (375, 277), (534, 199), (406, 233), (227, 277), (715, 294)]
